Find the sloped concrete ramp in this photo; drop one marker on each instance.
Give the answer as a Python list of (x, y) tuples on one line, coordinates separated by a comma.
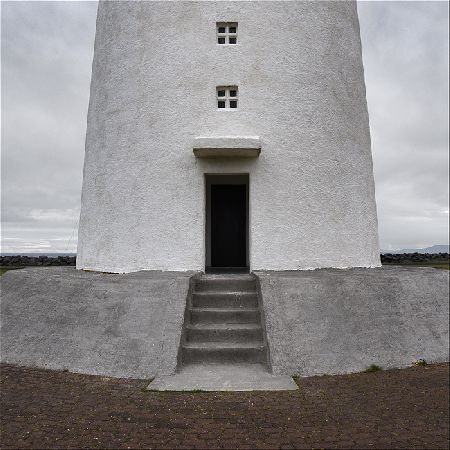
[(340, 321), (120, 325), (223, 377)]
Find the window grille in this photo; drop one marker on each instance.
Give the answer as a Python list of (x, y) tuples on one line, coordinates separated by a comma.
[(227, 97), (227, 33)]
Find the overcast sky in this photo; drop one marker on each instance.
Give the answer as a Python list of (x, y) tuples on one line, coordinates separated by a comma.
[(46, 58)]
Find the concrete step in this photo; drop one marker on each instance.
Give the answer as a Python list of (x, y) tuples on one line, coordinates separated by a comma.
[(225, 300), (233, 352), (223, 377), (237, 332), (225, 283), (224, 315), (223, 322)]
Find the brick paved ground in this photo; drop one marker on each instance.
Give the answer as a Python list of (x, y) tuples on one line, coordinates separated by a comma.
[(394, 409)]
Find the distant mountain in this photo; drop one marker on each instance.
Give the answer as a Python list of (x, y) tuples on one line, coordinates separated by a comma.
[(432, 249)]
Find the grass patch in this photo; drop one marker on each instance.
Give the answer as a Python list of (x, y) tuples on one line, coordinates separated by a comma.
[(420, 362), (296, 379), (442, 264), (4, 269), (373, 368)]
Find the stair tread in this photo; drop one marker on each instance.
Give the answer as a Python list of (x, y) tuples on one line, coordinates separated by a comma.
[(196, 309), (227, 276), (224, 326), (229, 293), (223, 321), (224, 345)]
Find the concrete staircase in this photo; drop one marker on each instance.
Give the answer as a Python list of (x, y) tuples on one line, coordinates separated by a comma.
[(223, 344), (223, 322)]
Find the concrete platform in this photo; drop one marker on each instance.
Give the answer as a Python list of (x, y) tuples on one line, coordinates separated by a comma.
[(219, 377)]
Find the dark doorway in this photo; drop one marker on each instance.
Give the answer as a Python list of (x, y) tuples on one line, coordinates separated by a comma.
[(227, 223)]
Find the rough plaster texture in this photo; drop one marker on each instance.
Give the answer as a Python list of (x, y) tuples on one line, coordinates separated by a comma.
[(301, 90), (109, 324), (339, 321)]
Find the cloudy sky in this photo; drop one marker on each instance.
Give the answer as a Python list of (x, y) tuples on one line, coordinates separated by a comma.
[(46, 58)]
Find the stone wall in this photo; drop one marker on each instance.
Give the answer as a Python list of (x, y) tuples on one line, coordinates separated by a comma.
[(21, 260), (392, 258)]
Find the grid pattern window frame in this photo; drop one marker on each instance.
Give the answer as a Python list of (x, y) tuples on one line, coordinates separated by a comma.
[(227, 97), (227, 33)]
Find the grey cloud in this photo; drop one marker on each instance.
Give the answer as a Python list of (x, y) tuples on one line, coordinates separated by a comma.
[(405, 51), (46, 63)]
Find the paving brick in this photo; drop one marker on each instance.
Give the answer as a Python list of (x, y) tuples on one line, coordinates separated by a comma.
[(393, 409)]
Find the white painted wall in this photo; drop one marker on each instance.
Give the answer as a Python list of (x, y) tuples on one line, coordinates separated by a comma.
[(301, 90)]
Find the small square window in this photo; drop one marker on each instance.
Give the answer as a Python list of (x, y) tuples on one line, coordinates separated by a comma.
[(226, 32), (227, 97)]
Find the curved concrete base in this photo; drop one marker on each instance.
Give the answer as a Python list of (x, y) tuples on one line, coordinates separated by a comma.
[(323, 321)]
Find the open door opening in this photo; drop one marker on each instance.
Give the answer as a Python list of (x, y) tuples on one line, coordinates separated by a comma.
[(227, 223)]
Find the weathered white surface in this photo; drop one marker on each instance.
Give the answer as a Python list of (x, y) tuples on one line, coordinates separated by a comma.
[(341, 321), (100, 324), (301, 89), (227, 142)]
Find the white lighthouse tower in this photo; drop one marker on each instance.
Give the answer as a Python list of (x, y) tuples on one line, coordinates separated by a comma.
[(227, 135)]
